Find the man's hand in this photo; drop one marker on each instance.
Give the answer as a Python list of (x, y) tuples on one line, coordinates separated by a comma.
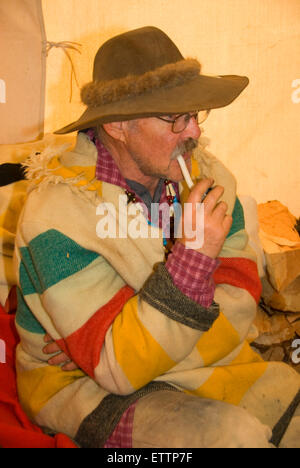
[(60, 359), (216, 223)]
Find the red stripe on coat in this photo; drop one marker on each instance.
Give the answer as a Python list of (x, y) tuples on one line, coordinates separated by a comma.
[(239, 272), (84, 345)]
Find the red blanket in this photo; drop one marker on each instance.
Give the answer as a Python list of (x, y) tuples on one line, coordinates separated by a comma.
[(16, 430)]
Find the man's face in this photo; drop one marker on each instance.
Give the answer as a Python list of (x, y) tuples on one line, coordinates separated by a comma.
[(154, 147)]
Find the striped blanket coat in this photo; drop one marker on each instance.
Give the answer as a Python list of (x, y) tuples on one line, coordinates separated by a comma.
[(111, 305)]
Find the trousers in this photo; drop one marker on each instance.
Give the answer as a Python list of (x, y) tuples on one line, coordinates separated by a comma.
[(167, 419)]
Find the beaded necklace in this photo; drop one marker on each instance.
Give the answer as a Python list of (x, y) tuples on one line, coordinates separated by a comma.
[(171, 200)]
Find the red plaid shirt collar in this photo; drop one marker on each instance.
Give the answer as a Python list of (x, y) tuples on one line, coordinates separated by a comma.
[(106, 168), (108, 171)]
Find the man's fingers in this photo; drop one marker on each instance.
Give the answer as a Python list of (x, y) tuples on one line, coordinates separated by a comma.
[(48, 338), (70, 366), (227, 223), (212, 198), (220, 210), (199, 190), (60, 358), (63, 360), (51, 348)]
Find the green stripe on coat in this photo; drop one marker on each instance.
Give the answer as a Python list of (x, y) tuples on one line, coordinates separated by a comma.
[(29, 280), (50, 258), (25, 318), (238, 222)]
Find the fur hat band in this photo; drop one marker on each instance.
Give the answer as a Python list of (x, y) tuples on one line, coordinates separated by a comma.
[(97, 93)]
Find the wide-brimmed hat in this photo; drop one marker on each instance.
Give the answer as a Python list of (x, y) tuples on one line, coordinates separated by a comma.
[(142, 73)]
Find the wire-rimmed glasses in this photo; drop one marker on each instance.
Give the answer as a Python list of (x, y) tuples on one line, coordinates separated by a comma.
[(181, 121)]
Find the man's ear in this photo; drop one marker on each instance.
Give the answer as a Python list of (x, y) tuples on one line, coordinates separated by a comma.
[(115, 130)]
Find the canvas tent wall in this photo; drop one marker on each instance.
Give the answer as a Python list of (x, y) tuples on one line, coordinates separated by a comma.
[(257, 137), (22, 71)]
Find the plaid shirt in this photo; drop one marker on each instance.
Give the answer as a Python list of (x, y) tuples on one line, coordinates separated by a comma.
[(122, 434)]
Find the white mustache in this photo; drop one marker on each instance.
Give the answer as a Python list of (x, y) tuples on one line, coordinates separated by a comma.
[(184, 147)]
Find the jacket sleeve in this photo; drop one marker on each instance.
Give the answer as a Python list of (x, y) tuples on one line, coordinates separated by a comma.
[(121, 338), (238, 266)]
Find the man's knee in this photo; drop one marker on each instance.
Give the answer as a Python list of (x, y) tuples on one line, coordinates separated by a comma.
[(291, 438), (169, 419)]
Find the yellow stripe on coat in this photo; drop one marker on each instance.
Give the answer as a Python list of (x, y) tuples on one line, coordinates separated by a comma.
[(133, 357), (36, 387), (218, 342), (230, 383)]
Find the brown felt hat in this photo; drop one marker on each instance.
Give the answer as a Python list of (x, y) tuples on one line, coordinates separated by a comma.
[(142, 73)]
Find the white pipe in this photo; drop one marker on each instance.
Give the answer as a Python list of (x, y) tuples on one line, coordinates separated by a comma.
[(185, 171)]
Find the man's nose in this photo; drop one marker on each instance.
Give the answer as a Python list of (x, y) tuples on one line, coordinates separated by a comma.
[(192, 130)]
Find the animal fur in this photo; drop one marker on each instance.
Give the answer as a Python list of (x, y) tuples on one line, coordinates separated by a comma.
[(97, 93)]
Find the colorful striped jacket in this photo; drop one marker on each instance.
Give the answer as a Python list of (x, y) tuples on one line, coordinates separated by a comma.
[(111, 305)]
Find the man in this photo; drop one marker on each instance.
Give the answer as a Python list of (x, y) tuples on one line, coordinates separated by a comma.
[(160, 347)]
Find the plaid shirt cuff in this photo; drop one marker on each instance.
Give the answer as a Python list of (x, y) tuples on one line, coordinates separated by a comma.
[(122, 435), (192, 273)]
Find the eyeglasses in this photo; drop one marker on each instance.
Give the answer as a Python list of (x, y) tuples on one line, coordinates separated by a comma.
[(180, 122)]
